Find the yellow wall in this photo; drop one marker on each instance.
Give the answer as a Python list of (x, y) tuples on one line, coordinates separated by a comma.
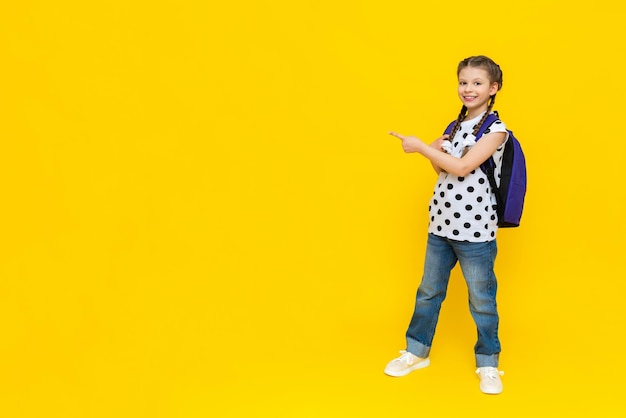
[(202, 213)]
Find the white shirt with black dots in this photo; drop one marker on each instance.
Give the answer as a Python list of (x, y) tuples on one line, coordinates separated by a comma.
[(464, 208)]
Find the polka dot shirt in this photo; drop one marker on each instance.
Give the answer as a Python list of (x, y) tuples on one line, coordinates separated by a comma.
[(464, 208)]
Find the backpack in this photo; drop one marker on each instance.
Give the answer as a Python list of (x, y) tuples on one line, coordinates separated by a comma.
[(510, 195)]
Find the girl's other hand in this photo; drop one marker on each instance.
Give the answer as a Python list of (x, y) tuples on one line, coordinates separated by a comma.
[(437, 143)]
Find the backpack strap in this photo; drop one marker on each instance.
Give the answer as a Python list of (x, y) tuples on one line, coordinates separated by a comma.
[(489, 165), (491, 118)]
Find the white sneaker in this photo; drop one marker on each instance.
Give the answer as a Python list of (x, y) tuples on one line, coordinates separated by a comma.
[(405, 364), (490, 382)]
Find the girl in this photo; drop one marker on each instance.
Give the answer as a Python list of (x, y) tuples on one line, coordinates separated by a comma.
[(463, 225)]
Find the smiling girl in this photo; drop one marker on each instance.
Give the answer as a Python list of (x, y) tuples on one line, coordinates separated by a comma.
[(463, 225)]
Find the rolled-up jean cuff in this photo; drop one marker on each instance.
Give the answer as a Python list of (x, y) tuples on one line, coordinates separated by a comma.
[(417, 349), (487, 360)]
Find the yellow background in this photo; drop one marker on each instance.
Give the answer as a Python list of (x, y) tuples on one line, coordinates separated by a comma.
[(202, 213)]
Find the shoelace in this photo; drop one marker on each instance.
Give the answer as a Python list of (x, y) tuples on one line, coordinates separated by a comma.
[(490, 372), (406, 357)]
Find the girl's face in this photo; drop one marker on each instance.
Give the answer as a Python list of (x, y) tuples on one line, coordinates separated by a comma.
[(475, 89)]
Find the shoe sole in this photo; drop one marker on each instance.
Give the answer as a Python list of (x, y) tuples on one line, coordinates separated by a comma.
[(491, 392), (420, 365)]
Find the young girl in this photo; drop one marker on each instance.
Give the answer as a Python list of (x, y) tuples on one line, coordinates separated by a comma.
[(463, 225)]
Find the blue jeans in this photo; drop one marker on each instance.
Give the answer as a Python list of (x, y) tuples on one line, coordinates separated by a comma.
[(477, 262)]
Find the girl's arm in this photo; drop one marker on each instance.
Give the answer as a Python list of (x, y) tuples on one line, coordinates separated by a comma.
[(478, 154)]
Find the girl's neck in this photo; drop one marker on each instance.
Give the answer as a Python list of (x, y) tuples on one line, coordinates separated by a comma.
[(472, 114)]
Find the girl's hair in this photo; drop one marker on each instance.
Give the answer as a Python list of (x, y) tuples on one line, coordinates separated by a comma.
[(495, 76)]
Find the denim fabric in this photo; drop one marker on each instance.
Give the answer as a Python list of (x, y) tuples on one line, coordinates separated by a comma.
[(477, 264)]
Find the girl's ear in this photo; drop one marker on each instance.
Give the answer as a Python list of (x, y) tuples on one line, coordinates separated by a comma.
[(493, 89)]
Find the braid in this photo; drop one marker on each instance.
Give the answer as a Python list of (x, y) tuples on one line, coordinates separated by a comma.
[(457, 125), (482, 120)]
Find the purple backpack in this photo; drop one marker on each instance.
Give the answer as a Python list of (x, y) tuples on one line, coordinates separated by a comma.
[(510, 195)]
